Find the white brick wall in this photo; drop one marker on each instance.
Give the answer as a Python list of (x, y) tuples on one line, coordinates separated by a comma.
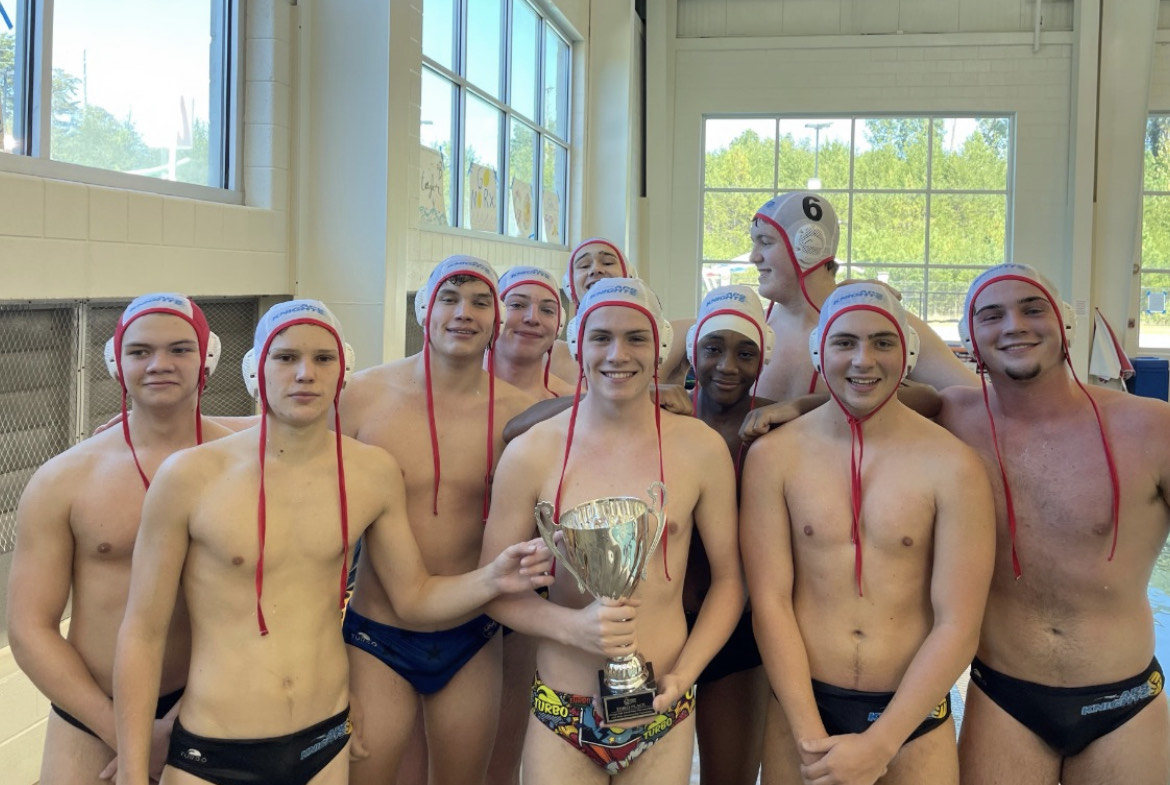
[(22, 722), (71, 240)]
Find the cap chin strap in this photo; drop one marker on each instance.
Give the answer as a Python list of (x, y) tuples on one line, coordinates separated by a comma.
[(489, 474), (262, 503), (657, 429), (1114, 481), (857, 442)]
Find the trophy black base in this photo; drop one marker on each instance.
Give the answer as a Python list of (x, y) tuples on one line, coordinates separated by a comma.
[(634, 705)]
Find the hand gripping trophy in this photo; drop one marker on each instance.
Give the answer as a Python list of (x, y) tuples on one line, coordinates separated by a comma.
[(607, 544)]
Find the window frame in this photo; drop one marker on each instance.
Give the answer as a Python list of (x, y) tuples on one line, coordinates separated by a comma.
[(1160, 348), (843, 198), (463, 89), (34, 54)]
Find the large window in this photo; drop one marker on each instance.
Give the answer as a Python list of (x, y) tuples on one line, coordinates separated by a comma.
[(495, 118), (135, 86), (924, 202), (1154, 332)]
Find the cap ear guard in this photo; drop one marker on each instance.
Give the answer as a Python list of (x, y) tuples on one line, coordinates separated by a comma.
[(251, 370), (210, 361)]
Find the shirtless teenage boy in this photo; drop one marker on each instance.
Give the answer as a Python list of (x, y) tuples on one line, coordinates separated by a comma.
[(728, 347), (610, 444), (867, 585), (76, 526), (257, 528), (1065, 687), (794, 245), (439, 413), (533, 317)]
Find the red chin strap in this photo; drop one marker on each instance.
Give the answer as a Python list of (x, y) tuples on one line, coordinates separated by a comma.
[(489, 474), (857, 438), (262, 504), (657, 428), (1111, 464)]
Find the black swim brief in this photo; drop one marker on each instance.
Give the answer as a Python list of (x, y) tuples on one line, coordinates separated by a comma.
[(740, 653), (1068, 719), (165, 704), (289, 760), (853, 711)]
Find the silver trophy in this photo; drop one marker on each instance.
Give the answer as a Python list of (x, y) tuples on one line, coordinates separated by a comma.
[(607, 545)]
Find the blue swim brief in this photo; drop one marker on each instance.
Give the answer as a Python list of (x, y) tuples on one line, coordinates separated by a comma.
[(427, 660)]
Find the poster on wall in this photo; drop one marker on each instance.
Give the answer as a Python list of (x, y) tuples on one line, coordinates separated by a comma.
[(550, 207), (432, 207), (522, 208), (482, 188)]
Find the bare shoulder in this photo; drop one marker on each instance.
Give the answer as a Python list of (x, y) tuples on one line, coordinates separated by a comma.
[(369, 384), (691, 433), (367, 458), (939, 450), (1132, 411), (213, 430), (67, 471)]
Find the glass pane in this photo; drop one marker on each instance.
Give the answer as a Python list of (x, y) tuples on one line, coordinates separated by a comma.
[(1156, 232), (1153, 302), (111, 112), (968, 229), (909, 281), (717, 274), (484, 55), (521, 212), (439, 32), (740, 154), (554, 192), (727, 219), (970, 154), (556, 83), (481, 166), (436, 157), (889, 228), (1157, 169), (944, 302), (891, 153), (814, 154), (525, 58), (11, 137)]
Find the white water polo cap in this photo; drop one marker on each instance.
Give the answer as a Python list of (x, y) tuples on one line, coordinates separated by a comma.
[(568, 284), (525, 274), (808, 223), (280, 317), (208, 343), (864, 296), (627, 293), (737, 308), (452, 266), (1012, 271)]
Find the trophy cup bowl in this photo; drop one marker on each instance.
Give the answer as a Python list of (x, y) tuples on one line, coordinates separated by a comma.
[(606, 546)]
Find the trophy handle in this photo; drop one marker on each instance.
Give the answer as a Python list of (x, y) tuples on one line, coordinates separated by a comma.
[(657, 492), (545, 525)]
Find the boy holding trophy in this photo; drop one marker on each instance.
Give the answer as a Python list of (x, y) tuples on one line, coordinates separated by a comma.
[(619, 595)]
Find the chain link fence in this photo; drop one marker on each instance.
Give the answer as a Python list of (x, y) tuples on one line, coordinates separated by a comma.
[(54, 387)]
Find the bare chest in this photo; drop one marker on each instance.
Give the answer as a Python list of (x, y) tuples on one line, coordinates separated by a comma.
[(105, 516)]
